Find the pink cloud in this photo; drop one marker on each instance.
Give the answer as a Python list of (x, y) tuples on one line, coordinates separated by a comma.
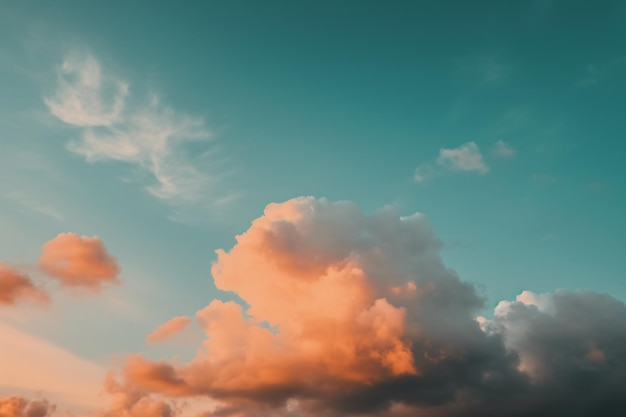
[(15, 287), (79, 261), (15, 406), (168, 329)]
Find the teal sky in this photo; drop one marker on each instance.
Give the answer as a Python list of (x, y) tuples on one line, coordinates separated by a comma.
[(345, 100)]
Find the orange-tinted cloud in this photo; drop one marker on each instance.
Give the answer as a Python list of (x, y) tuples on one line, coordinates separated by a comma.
[(347, 314), (128, 402), (168, 329), (15, 406), (79, 261), (338, 303), (16, 287)]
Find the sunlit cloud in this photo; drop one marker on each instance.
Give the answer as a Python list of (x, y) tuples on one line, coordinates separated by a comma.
[(352, 314), (16, 286), (78, 261), (17, 406), (168, 329)]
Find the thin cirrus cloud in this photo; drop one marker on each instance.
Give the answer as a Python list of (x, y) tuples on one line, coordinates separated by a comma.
[(352, 314), (79, 261), (16, 287), (168, 329), (151, 136), (464, 158)]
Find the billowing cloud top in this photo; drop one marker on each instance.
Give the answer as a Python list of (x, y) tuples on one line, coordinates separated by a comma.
[(351, 314), (348, 314), (78, 261), (340, 303), (15, 287)]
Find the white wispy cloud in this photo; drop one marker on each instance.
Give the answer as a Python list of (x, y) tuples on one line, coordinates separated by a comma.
[(84, 96), (501, 149), (466, 157), (151, 136)]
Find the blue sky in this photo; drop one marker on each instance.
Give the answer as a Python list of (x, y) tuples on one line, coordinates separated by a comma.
[(502, 122)]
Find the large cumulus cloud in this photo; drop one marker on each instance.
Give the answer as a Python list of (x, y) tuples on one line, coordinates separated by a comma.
[(350, 314)]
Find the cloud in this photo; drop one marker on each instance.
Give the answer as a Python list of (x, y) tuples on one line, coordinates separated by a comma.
[(348, 314), (168, 329), (348, 311), (15, 406), (150, 136), (501, 149), (571, 345), (16, 287), (424, 173), (127, 402), (466, 157), (82, 90), (79, 261)]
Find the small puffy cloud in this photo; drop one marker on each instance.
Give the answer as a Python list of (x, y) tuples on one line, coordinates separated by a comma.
[(15, 406), (168, 329), (128, 402), (16, 287), (79, 261), (466, 157), (501, 149)]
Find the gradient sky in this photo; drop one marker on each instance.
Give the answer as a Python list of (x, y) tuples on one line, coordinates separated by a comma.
[(165, 130)]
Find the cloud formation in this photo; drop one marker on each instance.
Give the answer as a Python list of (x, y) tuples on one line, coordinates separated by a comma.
[(129, 402), (168, 329), (464, 158), (16, 287), (150, 136), (85, 97), (348, 314), (15, 406), (78, 261)]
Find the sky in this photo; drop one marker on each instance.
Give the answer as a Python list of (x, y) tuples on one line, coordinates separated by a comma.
[(281, 209)]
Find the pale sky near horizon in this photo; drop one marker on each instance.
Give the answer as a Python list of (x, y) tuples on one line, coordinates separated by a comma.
[(165, 129)]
